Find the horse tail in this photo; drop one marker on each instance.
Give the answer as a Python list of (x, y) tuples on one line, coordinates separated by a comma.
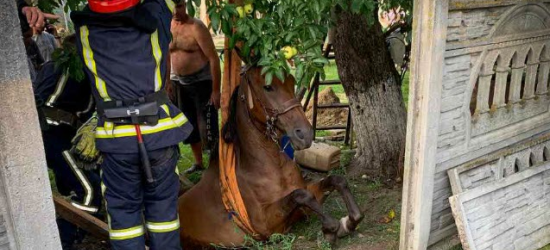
[(229, 130)]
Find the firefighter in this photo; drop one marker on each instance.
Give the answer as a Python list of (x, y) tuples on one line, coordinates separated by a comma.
[(124, 47), (64, 102)]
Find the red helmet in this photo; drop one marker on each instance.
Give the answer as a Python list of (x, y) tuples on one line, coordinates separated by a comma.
[(111, 6)]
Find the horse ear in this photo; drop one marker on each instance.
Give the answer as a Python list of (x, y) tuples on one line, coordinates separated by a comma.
[(290, 81), (249, 97)]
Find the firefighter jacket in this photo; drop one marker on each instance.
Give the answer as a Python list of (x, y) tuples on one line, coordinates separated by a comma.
[(125, 57)]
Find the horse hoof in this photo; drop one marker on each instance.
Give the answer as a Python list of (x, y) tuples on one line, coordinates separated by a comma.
[(346, 227)]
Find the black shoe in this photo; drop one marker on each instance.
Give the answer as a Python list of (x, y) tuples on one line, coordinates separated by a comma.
[(194, 168)]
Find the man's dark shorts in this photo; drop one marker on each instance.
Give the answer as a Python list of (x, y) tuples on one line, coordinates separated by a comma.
[(193, 101)]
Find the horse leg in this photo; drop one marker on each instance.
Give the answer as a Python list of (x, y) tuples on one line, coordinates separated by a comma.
[(304, 198), (340, 184)]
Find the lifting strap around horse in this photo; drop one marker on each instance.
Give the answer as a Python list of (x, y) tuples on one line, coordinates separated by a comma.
[(231, 195)]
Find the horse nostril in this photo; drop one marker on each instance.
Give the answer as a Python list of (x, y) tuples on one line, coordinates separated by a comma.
[(300, 134)]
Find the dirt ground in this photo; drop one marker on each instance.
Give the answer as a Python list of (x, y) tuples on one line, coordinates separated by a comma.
[(328, 117)]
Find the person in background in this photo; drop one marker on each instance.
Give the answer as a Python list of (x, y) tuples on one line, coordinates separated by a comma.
[(34, 59), (46, 43), (196, 78), (29, 18)]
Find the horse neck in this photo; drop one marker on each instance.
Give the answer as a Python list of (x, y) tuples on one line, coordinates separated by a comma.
[(254, 145)]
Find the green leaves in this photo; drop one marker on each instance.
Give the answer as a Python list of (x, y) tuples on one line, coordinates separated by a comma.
[(273, 25), (68, 60), (49, 6)]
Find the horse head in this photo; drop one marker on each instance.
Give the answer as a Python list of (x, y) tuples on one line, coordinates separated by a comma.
[(275, 106)]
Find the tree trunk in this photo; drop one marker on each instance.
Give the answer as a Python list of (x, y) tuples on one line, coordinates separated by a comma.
[(372, 85)]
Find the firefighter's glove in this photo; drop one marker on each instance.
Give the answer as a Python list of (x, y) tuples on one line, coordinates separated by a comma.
[(84, 148)]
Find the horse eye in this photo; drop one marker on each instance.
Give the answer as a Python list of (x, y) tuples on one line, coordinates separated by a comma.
[(268, 88)]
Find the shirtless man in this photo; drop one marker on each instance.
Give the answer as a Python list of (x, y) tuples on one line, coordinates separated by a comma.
[(196, 77)]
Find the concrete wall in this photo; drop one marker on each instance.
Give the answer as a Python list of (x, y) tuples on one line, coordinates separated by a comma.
[(27, 217), (479, 83), (511, 214)]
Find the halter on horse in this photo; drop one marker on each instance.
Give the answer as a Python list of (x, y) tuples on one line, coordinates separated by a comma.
[(271, 114)]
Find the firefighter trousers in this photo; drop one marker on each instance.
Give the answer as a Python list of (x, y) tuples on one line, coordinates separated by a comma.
[(135, 206), (82, 186)]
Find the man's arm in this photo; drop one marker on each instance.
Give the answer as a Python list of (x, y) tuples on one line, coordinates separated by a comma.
[(206, 43), (32, 16), (169, 88)]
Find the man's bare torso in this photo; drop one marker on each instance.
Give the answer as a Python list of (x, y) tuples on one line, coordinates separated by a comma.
[(186, 54)]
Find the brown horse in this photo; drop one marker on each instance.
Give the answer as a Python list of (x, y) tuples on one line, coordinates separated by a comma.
[(271, 184)]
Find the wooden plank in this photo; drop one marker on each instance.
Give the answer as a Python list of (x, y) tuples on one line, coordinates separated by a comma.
[(80, 218), (333, 105), (330, 82), (347, 138), (332, 127)]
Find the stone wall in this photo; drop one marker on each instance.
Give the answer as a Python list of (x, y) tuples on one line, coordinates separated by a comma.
[(27, 216), (4, 242), (489, 92)]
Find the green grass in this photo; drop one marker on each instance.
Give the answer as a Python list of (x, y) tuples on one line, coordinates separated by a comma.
[(187, 160)]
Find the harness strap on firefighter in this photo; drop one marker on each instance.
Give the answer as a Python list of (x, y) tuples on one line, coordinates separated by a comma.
[(160, 97), (59, 116)]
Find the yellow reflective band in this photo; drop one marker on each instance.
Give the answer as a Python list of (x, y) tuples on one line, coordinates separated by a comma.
[(58, 89), (103, 189), (85, 208), (88, 191), (165, 108), (90, 63), (171, 5), (108, 125), (163, 227), (157, 53), (130, 130), (125, 234)]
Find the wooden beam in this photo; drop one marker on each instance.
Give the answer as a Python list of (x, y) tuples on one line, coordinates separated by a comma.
[(83, 220)]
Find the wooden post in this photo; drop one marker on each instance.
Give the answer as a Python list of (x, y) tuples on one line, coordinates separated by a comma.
[(83, 220), (315, 102)]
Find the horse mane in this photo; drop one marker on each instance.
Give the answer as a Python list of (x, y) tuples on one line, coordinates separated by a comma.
[(229, 130)]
